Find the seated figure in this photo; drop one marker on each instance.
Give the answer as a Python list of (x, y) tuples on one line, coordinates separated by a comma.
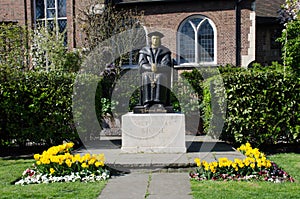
[(155, 67)]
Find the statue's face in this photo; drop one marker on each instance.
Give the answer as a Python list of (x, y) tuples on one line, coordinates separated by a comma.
[(155, 40)]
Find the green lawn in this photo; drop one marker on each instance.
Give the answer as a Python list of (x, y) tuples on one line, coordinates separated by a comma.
[(10, 170), (216, 190)]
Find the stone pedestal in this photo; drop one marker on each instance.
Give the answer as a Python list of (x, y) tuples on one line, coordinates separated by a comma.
[(153, 133)]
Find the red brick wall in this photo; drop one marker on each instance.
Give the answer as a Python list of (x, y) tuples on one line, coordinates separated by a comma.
[(222, 13), (246, 23), (15, 10), (12, 10), (157, 15)]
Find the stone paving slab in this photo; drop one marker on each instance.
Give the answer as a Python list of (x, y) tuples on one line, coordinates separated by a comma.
[(166, 180), (210, 150), (169, 186), (133, 186), (148, 185), (209, 157)]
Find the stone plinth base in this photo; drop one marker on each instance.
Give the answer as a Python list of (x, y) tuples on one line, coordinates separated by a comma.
[(153, 133)]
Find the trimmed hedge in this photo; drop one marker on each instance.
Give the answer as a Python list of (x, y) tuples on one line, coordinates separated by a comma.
[(262, 105), (37, 107)]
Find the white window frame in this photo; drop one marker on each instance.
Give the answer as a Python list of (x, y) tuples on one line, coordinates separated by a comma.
[(46, 19), (196, 30)]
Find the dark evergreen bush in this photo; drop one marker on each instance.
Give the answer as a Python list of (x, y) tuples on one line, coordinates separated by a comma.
[(37, 106), (262, 104)]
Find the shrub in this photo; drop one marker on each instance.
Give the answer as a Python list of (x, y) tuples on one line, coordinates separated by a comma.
[(49, 52), (262, 107), (37, 106), (262, 104)]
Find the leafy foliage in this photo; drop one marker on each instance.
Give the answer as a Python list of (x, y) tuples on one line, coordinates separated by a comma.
[(48, 51), (263, 107), (13, 46), (290, 38), (262, 104), (36, 107)]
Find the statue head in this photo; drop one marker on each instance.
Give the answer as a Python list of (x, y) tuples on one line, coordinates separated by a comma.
[(155, 39)]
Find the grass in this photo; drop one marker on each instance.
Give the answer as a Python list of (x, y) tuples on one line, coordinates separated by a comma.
[(289, 162), (10, 170)]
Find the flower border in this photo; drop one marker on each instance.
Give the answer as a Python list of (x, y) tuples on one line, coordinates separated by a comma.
[(255, 166)]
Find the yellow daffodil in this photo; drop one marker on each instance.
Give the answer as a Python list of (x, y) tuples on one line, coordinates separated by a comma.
[(241, 165), (54, 159), (52, 170), (98, 164), (197, 161), (92, 161), (269, 164), (84, 165), (36, 156), (69, 145), (215, 164), (206, 167), (68, 163)]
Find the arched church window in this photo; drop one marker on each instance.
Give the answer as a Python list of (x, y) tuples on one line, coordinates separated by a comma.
[(196, 41)]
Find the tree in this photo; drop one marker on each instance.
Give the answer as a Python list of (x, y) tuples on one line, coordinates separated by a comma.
[(49, 52), (99, 21), (113, 37)]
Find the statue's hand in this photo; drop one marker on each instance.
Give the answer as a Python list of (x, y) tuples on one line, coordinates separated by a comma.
[(153, 68)]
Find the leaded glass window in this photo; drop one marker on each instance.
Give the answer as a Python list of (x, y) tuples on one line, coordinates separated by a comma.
[(50, 12), (196, 41)]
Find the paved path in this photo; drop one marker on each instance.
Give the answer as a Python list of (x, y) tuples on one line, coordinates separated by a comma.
[(201, 147), (148, 185), (156, 176)]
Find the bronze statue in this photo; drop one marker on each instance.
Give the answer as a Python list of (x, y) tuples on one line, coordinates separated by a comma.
[(155, 68)]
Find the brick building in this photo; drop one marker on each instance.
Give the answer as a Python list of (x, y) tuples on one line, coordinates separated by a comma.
[(228, 32)]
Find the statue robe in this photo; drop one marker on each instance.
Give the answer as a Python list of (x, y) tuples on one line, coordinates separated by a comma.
[(155, 85)]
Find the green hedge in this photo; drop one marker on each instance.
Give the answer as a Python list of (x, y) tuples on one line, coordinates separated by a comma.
[(37, 107), (262, 105)]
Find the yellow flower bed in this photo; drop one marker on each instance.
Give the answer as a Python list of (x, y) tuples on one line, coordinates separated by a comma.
[(57, 164), (57, 160), (254, 165)]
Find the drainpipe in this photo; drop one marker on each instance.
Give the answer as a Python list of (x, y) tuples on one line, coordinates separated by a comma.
[(74, 24), (25, 12), (238, 32)]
